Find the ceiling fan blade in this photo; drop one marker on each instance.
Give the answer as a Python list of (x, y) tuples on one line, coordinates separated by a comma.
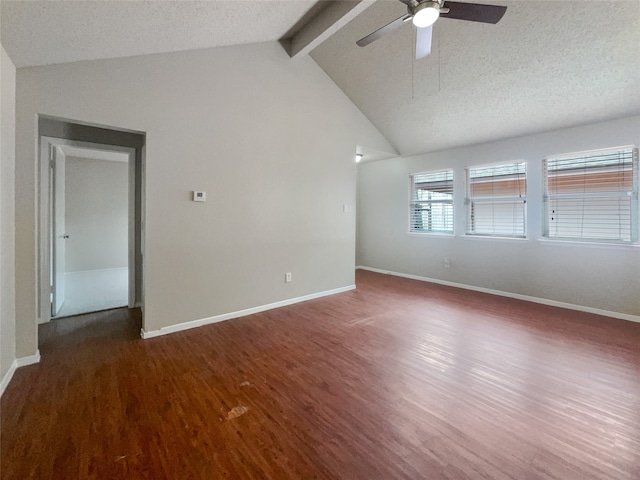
[(423, 42), (397, 23), (474, 12)]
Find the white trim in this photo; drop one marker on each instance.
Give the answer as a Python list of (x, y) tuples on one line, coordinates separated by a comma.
[(596, 151), (30, 360), (543, 301), (240, 313), (431, 234), (97, 270), (586, 243), (7, 377), (494, 238), (17, 363)]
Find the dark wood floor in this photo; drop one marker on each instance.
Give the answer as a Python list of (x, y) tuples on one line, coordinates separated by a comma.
[(396, 380)]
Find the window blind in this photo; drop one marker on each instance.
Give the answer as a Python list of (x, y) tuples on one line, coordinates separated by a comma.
[(496, 200), (431, 204), (592, 195)]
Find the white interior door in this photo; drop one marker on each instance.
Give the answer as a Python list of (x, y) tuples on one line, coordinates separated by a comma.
[(58, 233)]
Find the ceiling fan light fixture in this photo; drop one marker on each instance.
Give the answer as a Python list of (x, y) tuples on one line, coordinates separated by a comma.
[(426, 14)]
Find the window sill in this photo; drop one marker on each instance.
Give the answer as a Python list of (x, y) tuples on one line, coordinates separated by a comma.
[(586, 244), (496, 238), (430, 234)]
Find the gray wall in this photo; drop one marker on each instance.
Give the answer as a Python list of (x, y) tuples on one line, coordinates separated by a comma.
[(605, 277), (271, 140), (7, 216), (97, 212)]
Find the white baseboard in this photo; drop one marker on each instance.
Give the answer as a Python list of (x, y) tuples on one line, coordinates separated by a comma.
[(7, 377), (240, 313), (543, 301), (17, 363), (30, 360)]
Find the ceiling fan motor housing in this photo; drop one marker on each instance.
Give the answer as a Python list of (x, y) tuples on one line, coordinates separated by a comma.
[(425, 13)]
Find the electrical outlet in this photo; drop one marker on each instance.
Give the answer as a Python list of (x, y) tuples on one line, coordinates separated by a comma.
[(447, 263), (287, 277), (199, 196)]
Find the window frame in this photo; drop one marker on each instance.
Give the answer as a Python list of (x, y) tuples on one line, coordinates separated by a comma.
[(469, 201), (413, 202), (634, 227)]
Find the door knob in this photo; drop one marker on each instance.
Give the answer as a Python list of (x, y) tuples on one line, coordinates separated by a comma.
[(65, 236)]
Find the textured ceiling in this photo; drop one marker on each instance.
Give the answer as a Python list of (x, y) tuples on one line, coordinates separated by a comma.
[(546, 65), (48, 32)]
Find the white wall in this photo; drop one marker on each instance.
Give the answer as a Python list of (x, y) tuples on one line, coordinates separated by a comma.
[(605, 277), (97, 214), (271, 140), (7, 216)]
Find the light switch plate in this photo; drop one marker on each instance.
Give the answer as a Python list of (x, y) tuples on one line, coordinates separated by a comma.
[(199, 196)]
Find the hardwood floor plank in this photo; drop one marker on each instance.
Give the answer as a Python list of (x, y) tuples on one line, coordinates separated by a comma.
[(398, 379)]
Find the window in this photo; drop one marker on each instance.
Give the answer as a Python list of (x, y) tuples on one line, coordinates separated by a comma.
[(496, 198), (592, 195), (431, 204)]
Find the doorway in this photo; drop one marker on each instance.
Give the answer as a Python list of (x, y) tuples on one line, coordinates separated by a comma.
[(89, 221), (91, 224)]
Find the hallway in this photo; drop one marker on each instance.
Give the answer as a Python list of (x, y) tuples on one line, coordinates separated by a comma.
[(95, 290)]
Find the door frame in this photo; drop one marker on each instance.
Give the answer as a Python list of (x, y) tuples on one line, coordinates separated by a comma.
[(45, 207), (57, 233)]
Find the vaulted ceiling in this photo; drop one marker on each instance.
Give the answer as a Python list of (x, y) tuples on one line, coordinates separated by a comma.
[(48, 32), (547, 64)]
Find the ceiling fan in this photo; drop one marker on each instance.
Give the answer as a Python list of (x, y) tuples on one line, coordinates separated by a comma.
[(424, 13)]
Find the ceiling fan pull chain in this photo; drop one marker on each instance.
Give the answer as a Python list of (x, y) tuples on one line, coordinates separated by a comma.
[(439, 57), (413, 63)]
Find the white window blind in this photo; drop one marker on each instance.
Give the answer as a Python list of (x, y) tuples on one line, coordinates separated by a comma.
[(496, 200), (431, 204), (592, 195)]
